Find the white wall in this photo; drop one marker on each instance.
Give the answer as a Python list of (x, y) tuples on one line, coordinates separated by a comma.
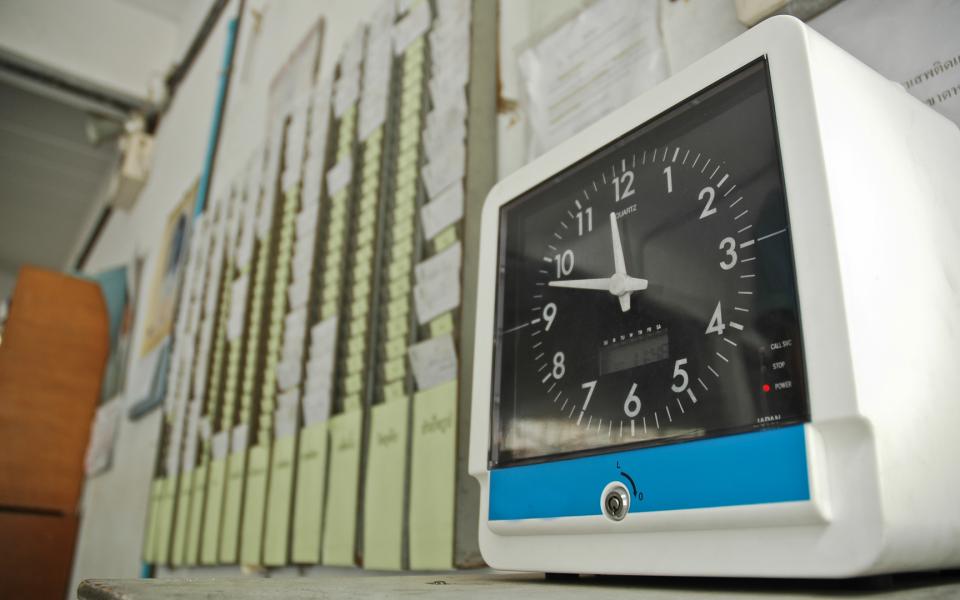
[(108, 43)]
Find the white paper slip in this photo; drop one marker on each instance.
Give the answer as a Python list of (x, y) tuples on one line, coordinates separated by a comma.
[(220, 444), (289, 398), (444, 170), (299, 292), (453, 10), (295, 319), (445, 261), (304, 246), (433, 361), (436, 295), (301, 268), (324, 332), (290, 178), (442, 212), (316, 407), (339, 176), (320, 367), (348, 89), (412, 26), (239, 437), (285, 422), (307, 221), (292, 351), (238, 299)]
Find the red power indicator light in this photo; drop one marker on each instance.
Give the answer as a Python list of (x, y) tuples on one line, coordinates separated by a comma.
[(766, 387)]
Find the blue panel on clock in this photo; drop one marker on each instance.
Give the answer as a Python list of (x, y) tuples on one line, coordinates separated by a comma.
[(751, 468)]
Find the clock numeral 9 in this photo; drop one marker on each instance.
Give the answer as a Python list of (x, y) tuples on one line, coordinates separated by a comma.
[(624, 184), (679, 371), (709, 194), (632, 405), (564, 263), (589, 212), (729, 245), (559, 370), (549, 314)]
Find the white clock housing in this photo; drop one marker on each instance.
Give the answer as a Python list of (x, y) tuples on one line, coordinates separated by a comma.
[(873, 195)]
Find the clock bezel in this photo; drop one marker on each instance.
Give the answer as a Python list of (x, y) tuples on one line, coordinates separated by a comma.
[(829, 382)]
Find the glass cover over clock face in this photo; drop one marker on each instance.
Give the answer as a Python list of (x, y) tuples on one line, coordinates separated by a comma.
[(646, 295)]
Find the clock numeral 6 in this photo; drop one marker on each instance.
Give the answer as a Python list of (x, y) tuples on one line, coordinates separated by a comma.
[(559, 370), (632, 405), (679, 371), (549, 314), (729, 245), (564, 263)]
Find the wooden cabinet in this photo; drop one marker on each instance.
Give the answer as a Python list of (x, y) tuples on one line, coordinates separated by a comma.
[(52, 356)]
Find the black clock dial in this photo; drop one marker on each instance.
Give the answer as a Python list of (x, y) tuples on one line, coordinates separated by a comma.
[(647, 294)]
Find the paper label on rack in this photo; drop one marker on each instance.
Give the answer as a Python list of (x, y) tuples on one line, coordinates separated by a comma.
[(436, 295), (289, 399), (299, 292), (442, 212), (324, 334), (307, 221), (288, 375), (339, 176), (348, 90), (434, 361), (411, 27), (448, 260), (238, 299), (444, 171)]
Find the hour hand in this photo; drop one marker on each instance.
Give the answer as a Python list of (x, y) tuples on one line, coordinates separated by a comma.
[(602, 285)]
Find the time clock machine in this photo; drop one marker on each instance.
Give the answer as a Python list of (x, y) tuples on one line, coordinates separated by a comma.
[(717, 331)]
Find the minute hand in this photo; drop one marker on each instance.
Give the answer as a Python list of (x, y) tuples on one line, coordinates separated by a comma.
[(606, 284), (602, 285)]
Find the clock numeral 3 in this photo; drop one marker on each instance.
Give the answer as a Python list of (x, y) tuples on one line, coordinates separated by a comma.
[(729, 245)]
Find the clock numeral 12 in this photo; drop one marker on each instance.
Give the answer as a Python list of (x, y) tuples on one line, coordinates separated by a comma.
[(626, 181)]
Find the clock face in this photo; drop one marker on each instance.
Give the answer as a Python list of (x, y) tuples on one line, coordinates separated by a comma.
[(647, 294)]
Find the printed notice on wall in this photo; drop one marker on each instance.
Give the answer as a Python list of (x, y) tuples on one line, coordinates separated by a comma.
[(607, 55), (914, 44)]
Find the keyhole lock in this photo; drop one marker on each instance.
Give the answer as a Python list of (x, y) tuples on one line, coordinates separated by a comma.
[(615, 501)]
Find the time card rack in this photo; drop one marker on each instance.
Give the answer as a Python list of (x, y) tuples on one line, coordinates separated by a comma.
[(327, 404)]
